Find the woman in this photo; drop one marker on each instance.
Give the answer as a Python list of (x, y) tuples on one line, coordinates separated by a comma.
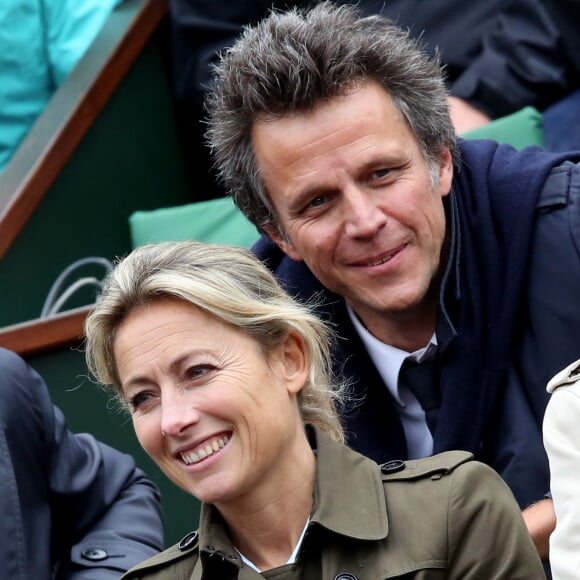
[(562, 441), (227, 380)]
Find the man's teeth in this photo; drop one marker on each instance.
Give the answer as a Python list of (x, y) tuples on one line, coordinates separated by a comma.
[(205, 450), (381, 260)]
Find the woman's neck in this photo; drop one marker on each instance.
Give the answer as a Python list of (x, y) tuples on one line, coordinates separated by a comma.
[(266, 527)]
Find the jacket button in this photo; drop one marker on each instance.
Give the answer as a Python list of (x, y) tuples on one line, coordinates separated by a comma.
[(393, 466), (345, 576), (188, 541), (94, 554)]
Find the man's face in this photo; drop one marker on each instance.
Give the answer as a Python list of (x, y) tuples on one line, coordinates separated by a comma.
[(355, 200)]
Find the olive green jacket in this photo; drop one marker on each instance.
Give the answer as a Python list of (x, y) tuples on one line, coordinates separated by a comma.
[(446, 516)]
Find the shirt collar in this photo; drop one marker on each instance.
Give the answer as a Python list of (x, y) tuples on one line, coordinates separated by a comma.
[(388, 359)]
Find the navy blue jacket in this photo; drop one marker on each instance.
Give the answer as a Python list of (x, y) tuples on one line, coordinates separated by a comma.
[(506, 321), (71, 508)]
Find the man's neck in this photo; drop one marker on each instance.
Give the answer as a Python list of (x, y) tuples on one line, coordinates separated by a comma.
[(408, 331)]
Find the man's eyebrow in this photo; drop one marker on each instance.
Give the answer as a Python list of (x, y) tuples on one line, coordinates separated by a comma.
[(300, 199)]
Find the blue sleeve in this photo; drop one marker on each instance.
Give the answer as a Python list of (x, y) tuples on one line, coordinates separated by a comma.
[(522, 62), (548, 338), (68, 500), (116, 514)]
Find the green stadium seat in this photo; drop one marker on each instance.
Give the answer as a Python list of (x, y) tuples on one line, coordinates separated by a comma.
[(520, 129), (216, 220)]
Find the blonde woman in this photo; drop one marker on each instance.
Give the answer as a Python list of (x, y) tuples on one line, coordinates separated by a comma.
[(228, 383)]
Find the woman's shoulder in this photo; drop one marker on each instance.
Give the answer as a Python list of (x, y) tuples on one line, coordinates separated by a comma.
[(443, 507), (436, 485), (432, 468), (177, 561)]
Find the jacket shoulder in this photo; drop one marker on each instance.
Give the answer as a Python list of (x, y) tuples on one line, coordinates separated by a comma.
[(181, 556), (430, 467), (567, 376)]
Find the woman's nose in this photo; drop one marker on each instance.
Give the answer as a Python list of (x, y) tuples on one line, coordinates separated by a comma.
[(178, 412)]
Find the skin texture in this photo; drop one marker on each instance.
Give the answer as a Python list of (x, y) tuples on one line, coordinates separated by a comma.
[(540, 519), (351, 187), (190, 378)]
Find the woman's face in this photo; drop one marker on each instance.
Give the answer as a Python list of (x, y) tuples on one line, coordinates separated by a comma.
[(217, 415)]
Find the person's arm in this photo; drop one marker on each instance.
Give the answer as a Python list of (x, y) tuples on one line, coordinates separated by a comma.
[(487, 535), (71, 27), (88, 509), (466, 117), (540, 520), (516, 452), (522, 62), (114, 519), (562, 440)]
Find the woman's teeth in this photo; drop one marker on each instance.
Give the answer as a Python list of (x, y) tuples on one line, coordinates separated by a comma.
[(205, 450)]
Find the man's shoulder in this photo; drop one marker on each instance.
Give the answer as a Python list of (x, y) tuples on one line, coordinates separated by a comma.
[(487, 162), (10, 360), (295, 277), (23, 393)]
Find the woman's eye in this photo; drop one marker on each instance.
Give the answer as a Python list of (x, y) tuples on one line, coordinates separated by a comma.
[(138, 400), (199, 371)]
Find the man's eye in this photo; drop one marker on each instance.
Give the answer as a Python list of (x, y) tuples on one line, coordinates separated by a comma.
[(380, 173), (317, 201)]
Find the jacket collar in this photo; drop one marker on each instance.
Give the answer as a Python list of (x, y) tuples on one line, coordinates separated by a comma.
[(349, 497), (450, 282), (348, 500)]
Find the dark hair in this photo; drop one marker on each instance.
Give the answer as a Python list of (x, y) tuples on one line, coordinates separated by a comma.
[(293, 61)]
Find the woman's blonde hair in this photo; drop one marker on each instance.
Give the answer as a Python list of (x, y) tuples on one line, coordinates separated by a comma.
[(230, 283)]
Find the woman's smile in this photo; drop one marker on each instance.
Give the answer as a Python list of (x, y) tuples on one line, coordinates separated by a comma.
[(206, 449), (213, 410)]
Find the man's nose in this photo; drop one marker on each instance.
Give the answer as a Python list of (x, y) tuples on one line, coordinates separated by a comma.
[(363, 215)]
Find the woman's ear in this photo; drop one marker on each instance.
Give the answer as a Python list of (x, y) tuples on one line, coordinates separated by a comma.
[(291, 362)]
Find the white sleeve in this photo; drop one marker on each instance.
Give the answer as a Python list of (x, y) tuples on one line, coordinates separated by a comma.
[(562, 442)]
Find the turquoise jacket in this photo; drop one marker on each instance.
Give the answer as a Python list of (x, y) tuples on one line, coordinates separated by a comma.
[(40, 43)]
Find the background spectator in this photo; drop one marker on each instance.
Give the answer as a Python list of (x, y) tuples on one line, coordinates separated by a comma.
[(40, 43)]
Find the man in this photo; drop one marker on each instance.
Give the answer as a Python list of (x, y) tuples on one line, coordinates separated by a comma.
[(332, 133), (499, 57), (72, 508)]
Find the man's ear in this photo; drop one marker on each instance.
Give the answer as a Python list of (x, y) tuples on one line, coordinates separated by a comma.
[(445, 172), (282, 242)]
